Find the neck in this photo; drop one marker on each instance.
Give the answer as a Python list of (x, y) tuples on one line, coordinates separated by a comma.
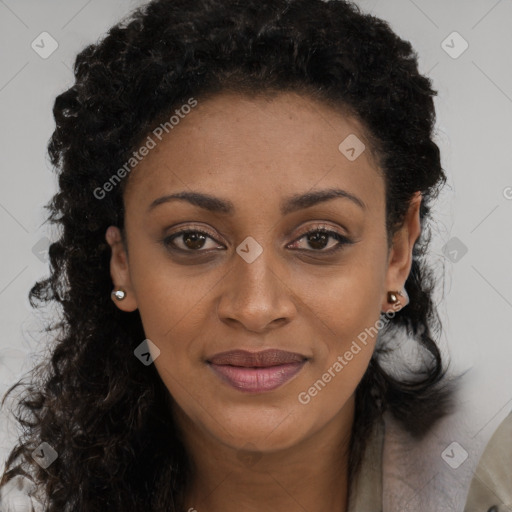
[(310, 475)]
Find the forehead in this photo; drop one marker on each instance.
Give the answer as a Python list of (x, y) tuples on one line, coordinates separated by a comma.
[(280, 144)]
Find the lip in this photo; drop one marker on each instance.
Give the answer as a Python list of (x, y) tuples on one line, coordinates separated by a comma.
[(256, 372)]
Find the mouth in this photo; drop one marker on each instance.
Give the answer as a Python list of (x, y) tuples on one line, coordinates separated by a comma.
[(256, 372)]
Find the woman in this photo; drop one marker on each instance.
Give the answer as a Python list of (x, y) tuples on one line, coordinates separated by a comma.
[(244, 200)]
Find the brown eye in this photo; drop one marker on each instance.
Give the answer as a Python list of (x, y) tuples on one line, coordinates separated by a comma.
[(189, 241), (318, 240), (193, 240)]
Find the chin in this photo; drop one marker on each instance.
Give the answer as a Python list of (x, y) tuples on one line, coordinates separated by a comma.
[(265, 431)]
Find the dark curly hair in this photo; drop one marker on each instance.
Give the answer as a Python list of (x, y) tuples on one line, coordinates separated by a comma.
[(110, 423)]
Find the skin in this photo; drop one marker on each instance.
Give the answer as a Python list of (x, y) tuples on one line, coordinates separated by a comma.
[(257, 452)]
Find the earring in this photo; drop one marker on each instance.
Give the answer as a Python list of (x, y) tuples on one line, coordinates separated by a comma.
[(392, 296), (118, 294)]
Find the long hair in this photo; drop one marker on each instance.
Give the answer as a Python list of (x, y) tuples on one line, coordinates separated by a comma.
[(110, 423)]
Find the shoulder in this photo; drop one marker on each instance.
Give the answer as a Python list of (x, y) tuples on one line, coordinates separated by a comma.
[(491, 487)]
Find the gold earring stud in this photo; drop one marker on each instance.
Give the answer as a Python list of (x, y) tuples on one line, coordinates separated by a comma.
[(393, 296)]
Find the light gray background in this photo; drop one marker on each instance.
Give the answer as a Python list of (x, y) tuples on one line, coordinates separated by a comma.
[(474, 132)]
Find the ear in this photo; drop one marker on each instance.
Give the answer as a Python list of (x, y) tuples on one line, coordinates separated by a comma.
[(119, 270), (400, 254)]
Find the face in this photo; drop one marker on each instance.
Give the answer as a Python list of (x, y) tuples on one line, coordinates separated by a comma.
[(276, 243)]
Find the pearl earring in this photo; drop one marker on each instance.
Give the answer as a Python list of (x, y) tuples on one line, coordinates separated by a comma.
[(118, 294)]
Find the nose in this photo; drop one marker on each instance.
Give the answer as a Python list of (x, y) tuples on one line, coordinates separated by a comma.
[(256, 295)]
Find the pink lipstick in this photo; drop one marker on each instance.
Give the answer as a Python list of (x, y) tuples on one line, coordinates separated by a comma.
[(256, 372)]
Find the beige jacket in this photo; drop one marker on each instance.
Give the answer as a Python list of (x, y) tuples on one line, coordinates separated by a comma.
[(490, 489)]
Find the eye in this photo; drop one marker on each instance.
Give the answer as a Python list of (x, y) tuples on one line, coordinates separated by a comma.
[(318, 240), (195, 240), (189, 240)]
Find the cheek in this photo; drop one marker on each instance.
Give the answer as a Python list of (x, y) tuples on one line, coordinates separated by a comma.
[(170, 302), (344, 353), (172, 309), (346, 310), (173, 319), (347, 302)]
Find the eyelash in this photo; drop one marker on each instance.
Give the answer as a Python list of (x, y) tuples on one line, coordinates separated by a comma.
[(342, 240)]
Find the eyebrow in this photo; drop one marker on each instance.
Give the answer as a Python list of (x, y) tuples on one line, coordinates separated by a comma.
[(289, 205)]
